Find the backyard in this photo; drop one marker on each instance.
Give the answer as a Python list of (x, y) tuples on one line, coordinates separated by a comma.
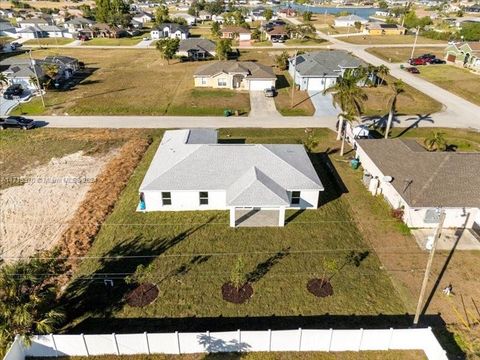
[(402, 54), (388, 39), (117, 85)]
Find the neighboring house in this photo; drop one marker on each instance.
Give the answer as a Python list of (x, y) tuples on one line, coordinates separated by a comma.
[(26, 23), (191, 20), (464, 54), (218, 18), (287, 12), (204, 15), (42, 31), (384, 29), (195, 48), (419, 182), (169, 30), (349, 20), (192, 171), (108, 31), (78, 24), (236, 32), (278, 32), (142, 17), (7, 29), (241, 75), (320, 70)]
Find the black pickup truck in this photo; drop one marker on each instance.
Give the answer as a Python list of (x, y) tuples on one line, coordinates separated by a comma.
[(16, 122)]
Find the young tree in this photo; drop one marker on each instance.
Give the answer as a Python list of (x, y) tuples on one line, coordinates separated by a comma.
[(268, 13), (161, 15), (435, 141), (224, 46), (358, 25), (179, 20), (281, 60), (304, 30), (214, 8), (215, 29), (397, 89), (168, 48), (307, 16), (382, 72), (311, 140), (237, 276), (51, 72), (28, 302)]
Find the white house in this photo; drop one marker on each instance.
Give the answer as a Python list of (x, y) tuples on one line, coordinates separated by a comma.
[(192, 171), (349, 20), (191, 20), (169, 30), (319, 70), (419, 182), (142, 17), (42, 31)]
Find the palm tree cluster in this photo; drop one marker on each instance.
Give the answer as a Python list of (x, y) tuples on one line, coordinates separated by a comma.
[(28, 298)]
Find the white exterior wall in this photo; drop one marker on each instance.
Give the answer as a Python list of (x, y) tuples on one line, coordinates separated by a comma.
[(413, 217), (319, 84)]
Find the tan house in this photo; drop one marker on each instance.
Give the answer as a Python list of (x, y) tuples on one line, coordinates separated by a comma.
[(240, 75), (243, 35), (384, 29)]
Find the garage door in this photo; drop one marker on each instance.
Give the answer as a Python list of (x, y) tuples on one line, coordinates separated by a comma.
[(261, 85), (451, 58)]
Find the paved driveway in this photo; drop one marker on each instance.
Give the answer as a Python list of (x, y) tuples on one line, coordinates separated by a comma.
[(7, 105), (323, 104), (262, 106)]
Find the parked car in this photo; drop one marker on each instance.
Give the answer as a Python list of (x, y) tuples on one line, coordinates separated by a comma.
[(15, 45), (13, 90), (413, 70), (83, 37), (418, 61), (16, 122), (437, 61), (427, 56), (270, 92)]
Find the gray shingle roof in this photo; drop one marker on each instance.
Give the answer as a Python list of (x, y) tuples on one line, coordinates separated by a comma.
[(250, 69), (448, 179), (325, 63), (252, 174), (197, 44)]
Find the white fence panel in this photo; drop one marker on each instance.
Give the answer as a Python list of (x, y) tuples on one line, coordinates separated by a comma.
[(408, 339), (191, 343), (100, 344), (130, 344), (163, 343), (41, 346), (285, 340), (256, 340), (315, 340), (376, 339), (68, 344), (345, 340), (16, 351), (226, 341)]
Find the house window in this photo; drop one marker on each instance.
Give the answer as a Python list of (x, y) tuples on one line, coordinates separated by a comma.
[(204, 81), (222, 82), (203, 198), (166, 198), (295, 197)]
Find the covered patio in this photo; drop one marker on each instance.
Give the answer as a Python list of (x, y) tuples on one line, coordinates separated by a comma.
[(257, 216)]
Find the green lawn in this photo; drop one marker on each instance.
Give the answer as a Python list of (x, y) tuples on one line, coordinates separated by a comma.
[(454, 79), (302, 105), (191, 254), (305, 42), (402, 54), (262, 43), (49, 41), (126, 41)]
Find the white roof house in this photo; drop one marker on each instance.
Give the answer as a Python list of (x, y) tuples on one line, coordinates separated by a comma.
[(192, 171), (349, 20)]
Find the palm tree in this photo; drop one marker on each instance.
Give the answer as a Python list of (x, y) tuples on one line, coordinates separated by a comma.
[(51, 72), (348, 96), (398, 89), (345, 118), (3, 79), (435, 141), (383, 71)]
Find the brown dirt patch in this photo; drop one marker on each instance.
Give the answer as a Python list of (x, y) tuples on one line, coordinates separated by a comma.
[(320, 287), (142, 295), (236, 295)]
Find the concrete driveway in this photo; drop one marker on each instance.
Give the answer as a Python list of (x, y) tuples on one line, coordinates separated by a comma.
[(323, 104), (7, 105), (262, 106)]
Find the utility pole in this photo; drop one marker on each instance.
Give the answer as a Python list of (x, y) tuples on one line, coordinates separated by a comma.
[(436, 236), (294, 78), (415, 42), (36, 77)]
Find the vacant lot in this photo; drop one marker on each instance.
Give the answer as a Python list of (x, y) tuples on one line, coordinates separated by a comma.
[(388, 39), (456, 80), (306, 42), (363, 355), (191, 254), (49, 41), (126, 41), (138, 82), (402, 54), (47, 4)]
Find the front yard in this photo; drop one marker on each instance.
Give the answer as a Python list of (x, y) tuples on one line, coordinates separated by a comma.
[(49, 41), (459, 81), (189, 255), (301, 104), (125, 41), (402, 54), (134, 82)]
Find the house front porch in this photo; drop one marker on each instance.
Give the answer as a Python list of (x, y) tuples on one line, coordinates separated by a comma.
[(256, 216)]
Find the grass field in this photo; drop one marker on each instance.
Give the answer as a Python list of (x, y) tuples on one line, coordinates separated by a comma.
[(363, 355), (138, 82), (262, 43), (125, 41), (191, 254), (456, 80), (305, 42), (331, 30), (402, 54), (388, 39), (49, 41), (302, 105)]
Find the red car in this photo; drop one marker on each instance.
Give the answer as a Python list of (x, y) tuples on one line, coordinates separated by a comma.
[(413, 70), (418, 61)]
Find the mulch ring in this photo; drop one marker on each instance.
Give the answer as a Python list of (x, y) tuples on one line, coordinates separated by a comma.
[(320, 287), (236, 295), (142, 295)]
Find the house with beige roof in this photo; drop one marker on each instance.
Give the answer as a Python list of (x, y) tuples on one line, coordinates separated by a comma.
[(240, 75), (256, 183), (418, 182)]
